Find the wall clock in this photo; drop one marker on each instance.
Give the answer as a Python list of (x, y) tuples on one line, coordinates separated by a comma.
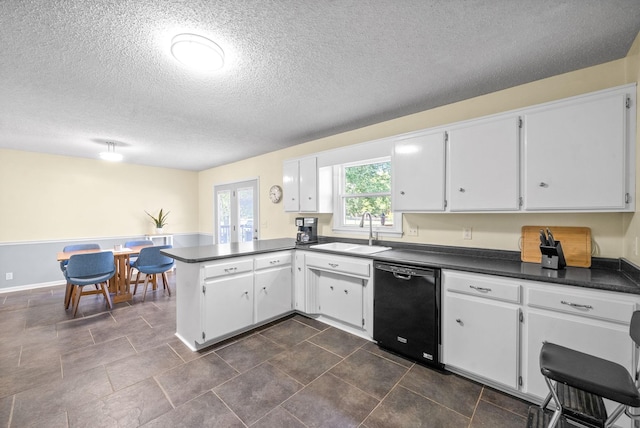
[(275, 193)]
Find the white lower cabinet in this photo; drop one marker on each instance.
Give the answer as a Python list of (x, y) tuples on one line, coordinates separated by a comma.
[(341, 288), (482, 332), (482, 338), (340, 297), (299, 282), (602, 339), (272, 292), (227, 305)]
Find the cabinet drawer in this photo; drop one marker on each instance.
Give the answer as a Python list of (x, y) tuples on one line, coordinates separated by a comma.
[(230, 268), (273, 260), (350, 265), (482, 286), (582, 304)]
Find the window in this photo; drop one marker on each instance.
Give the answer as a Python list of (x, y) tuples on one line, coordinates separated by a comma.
[(366, 187)]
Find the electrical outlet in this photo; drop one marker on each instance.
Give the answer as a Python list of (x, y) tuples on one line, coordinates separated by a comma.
[(413, 230), (9, 276), (466, 233)]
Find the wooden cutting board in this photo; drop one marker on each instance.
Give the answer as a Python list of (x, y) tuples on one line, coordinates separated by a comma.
[(576, 244)]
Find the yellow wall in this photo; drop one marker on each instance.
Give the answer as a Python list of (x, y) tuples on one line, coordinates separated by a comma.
[(499, 231), (47, 197)]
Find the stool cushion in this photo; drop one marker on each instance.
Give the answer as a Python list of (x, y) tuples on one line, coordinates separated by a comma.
[(592, 374)]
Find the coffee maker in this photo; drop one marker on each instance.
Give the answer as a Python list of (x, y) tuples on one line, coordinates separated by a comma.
[(307, 230)]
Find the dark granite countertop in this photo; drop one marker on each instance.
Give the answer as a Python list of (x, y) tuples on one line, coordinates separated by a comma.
[(605, 274), (208, 253), (598, 278)]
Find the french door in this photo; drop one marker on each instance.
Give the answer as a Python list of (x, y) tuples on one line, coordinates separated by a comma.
[(236, 211)]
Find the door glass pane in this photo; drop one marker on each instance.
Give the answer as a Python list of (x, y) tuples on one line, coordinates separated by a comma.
[(246, 210), (224, 215)]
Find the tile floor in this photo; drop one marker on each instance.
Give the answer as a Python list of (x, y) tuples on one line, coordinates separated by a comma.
[(125, 368)]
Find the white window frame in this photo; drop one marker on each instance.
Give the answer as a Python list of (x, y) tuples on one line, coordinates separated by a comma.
[(339, 204)]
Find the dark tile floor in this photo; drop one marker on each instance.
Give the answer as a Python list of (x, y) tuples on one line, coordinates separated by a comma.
[(126, 368)]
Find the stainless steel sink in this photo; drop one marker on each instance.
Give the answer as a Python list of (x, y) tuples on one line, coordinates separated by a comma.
[(345, 247)]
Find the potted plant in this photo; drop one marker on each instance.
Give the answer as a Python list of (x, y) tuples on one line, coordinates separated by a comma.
[(160, 220)]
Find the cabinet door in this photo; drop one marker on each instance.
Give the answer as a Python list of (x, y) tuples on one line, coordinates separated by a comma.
[(575, 155), (273, 292), (418, 173), (602, 339), (290, 186), (227, 305), (483, 167), (299, 282), (308, 170), (482, 337), (340, 297)]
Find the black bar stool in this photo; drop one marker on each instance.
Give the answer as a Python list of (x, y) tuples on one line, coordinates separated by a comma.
[(581, 381)]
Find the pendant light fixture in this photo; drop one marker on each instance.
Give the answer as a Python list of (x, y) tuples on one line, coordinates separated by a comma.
[(197, 52), (111, 155)]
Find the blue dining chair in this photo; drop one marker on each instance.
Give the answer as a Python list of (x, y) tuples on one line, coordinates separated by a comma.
[(63, 266), (89, 269), (150, 262), (132, 259)]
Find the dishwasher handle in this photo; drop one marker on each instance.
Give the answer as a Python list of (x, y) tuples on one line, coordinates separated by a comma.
[(404, 277), (406, 272)]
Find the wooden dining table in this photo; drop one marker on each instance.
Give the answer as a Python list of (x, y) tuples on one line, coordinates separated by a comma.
[(119, 283)]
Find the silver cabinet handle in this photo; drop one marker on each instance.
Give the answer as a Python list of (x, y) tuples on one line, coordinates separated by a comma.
[(543, 184), (273, 262), (334, 265), (576, 305), (481, 289)]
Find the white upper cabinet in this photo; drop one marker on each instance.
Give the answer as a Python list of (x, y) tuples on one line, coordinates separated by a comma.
[(303, 191), (483, 165), (418, 173), (291, 185), (577, 153)]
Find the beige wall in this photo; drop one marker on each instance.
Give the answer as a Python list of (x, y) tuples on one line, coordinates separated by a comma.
[(499, 231), (47, 197)]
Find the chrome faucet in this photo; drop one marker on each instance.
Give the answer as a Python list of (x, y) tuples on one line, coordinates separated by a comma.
[(367, 213)]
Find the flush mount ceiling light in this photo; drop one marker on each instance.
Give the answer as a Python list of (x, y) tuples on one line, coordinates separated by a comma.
[(197, 52), (111, 155)]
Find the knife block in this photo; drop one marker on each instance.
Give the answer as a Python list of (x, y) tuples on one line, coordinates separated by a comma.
[(552, 256)]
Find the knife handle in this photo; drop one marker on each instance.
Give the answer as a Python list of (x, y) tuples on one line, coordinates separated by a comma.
[(552, 241), (543, 239)]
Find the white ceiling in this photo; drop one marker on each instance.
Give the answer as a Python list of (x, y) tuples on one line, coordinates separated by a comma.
[(77, 73)]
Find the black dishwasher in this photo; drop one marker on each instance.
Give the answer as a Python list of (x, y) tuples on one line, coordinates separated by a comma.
[(406, 311)]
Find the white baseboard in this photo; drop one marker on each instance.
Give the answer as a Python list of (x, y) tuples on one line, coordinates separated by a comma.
[(31, 286)]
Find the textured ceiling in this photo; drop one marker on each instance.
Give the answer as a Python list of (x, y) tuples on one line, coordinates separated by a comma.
[(77, 73)]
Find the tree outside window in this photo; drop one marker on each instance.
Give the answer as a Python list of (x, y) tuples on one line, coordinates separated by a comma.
[(367, 187)]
